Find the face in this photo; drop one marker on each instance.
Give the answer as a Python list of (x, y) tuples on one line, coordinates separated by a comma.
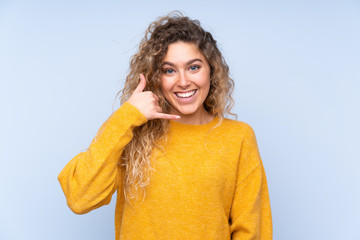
[(185, 81)]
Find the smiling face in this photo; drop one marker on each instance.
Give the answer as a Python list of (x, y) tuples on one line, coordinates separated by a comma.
[(185, 82)]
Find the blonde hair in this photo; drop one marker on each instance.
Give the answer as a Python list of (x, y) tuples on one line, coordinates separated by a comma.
[(166, 30)]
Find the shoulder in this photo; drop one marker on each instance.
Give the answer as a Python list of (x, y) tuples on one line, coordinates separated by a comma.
[(248, 152), (235, 133), (239, 128)]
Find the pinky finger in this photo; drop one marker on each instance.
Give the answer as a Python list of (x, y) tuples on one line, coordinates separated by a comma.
[(166, 116)]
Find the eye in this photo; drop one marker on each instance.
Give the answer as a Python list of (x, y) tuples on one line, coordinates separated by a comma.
[(168, 71), (194, 67)]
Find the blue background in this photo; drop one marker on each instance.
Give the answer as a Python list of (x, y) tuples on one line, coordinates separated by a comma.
[(296, 67)]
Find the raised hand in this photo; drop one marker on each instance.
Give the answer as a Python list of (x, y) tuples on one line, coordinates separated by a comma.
[(147, 102)]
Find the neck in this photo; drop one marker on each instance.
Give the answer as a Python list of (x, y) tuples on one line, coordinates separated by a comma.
[(198, 118)]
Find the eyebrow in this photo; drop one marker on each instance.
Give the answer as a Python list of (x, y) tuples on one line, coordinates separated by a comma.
[(188, 63)]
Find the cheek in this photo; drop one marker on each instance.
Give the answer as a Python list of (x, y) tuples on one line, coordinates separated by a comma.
[(165, 86), (206, 82)]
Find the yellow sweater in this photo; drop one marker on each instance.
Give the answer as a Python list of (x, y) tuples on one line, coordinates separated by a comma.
[(208, 185)]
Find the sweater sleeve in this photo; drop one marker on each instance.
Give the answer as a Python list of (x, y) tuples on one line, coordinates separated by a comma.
[(250, 212), (91, 177)]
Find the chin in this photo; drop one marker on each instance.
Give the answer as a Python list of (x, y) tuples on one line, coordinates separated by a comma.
[(188, 111)]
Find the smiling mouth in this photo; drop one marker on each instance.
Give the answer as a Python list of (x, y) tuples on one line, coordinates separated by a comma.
[(185, 94)]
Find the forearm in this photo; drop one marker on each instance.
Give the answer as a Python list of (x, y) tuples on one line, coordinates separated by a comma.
[(251, 212), (91, 177)]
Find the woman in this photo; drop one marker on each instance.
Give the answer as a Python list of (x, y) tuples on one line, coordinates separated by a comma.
[(181, 170)]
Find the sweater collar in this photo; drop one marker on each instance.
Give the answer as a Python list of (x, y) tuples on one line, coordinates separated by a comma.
[(177, 128)]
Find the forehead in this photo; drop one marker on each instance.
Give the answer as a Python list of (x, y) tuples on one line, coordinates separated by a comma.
[(182, 52)]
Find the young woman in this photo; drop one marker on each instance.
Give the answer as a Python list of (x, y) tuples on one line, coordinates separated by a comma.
[(181, 170)]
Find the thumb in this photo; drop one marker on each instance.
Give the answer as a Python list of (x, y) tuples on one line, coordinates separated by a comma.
[(140, 87)]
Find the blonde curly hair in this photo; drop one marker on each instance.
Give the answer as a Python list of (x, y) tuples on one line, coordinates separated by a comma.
[(174, 27)]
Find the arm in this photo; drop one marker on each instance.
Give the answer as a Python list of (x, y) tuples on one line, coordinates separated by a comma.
[(250, 212), (91, 177)]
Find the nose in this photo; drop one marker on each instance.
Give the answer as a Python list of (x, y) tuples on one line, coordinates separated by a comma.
[(183, 80)]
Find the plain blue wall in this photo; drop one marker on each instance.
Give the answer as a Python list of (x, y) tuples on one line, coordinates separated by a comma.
[(296, 67)]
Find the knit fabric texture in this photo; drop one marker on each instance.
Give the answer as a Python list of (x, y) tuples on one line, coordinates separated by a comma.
[(209, 182)]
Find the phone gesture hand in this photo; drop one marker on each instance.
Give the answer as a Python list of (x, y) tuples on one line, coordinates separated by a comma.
[(148, 103)]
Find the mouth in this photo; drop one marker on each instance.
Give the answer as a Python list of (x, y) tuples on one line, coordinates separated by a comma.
[(185, 95)]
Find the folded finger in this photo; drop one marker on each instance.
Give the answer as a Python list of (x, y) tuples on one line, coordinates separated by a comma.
[(158, 108), (156, 97)]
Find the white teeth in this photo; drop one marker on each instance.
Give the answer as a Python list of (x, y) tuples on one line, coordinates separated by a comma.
[(185, 95)]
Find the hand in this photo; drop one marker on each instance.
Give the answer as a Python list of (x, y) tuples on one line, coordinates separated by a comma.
[(148, 103)]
